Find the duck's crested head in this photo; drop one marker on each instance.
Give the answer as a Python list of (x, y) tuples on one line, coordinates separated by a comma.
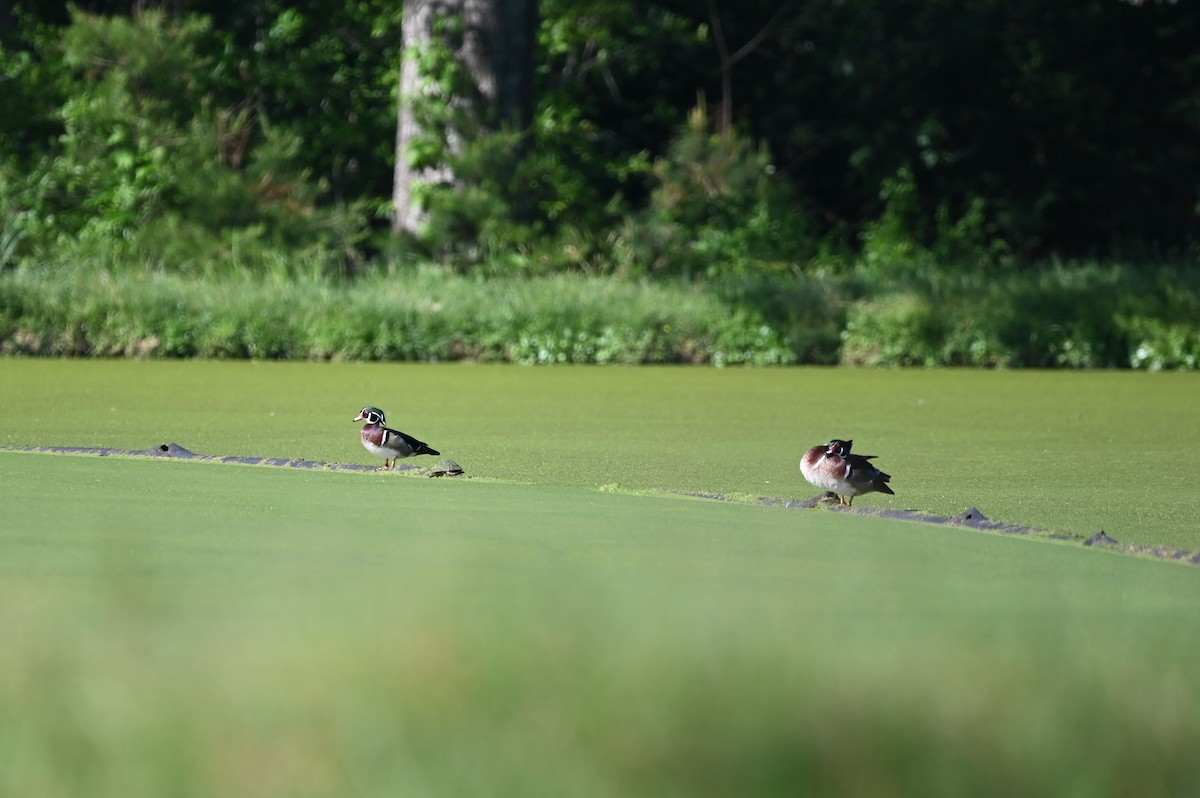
[(371, 415)]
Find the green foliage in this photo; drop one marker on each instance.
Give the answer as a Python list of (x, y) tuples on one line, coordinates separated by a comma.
[(849, 212), (607, 105), (427, 315), (511, 200), (838, 94), (903, 240), (1064, 137), (442, 108), (32, 90), (808, 311), (892, 242), (327, 74), (125, 142), (478, 219), (715, 211), (1063, 316), (1158, 345), (1041, 139), (139, 174)]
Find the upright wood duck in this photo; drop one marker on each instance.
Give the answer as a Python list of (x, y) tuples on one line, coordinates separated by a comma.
[(835, 469), (388, 443)]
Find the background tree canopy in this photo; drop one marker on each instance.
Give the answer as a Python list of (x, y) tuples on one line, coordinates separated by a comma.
[(1023, 127)]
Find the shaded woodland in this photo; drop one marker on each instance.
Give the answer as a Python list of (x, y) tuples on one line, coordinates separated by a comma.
[(883, 159)]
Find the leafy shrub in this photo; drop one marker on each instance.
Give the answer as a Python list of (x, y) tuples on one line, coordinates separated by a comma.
[(912, 330), (1156, 345), (138, 178), (902, 243), (891, 243), (514, 208), (807, 311), (715, 211), (1065, 315)]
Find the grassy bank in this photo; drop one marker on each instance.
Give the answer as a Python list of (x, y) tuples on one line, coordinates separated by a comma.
[(1072, 316), (420, 315)]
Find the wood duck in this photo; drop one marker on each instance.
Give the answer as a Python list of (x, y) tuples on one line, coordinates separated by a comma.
[(388, 443), (835, 469)]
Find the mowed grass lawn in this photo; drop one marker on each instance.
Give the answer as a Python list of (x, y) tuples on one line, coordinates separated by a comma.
[(198, 629)]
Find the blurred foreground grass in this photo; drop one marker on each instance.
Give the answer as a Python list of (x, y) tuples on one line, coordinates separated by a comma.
[(195, 629)]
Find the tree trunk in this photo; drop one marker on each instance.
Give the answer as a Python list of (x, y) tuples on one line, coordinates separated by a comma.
[(494, 45)]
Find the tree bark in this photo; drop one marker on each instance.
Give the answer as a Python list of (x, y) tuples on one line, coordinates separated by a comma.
[(495, 49)]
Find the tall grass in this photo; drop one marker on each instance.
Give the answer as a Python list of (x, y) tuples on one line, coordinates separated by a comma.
[(1064, 315), (420, 315), (1079, 315)]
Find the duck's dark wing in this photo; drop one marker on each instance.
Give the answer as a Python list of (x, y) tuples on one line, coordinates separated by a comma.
[(860, 461), (418, 447), (866, 475)]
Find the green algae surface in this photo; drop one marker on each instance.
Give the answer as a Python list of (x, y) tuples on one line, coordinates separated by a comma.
[(1073, 452)]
